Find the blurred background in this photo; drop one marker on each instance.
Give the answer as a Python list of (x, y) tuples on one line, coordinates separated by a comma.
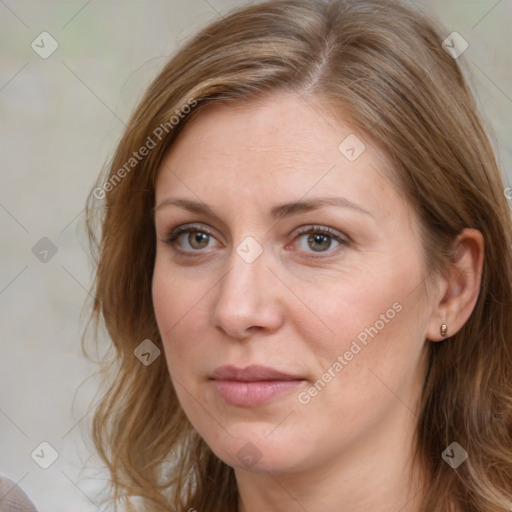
[(70, 74)]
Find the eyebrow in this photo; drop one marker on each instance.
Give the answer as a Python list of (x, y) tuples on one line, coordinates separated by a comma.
[(279, 212)]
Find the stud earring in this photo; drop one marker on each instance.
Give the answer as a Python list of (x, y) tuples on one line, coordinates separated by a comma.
[(444, 328)]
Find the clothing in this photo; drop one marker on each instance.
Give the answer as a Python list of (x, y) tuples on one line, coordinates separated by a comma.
[(12, 498)]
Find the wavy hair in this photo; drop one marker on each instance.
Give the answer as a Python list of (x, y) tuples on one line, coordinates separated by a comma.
[(382, 65)]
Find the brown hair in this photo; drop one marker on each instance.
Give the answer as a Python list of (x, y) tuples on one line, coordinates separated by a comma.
[(382, 65)]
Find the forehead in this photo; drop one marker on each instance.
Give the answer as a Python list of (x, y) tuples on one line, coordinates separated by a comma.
[(280, 144)]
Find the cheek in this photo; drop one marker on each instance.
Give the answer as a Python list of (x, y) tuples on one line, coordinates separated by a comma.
[(180, 307), (361, 309), (379, 321), (381, 357)]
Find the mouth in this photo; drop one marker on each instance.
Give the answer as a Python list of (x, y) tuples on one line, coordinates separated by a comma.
[(254, 385)]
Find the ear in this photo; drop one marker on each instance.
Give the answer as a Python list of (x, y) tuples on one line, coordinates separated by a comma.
[(459, 287)]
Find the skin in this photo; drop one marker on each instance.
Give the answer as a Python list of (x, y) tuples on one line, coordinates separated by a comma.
[(349, 448)]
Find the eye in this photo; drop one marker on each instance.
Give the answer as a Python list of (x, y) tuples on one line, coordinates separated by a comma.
[(190, 237), (320, 239), (314, 239)]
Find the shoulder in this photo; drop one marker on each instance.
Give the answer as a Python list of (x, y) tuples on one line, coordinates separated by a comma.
[(12, 498)]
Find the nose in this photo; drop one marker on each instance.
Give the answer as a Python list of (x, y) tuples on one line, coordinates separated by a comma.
[(248, 299)]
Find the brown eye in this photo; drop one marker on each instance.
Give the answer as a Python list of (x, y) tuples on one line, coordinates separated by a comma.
[(319, 242), (190, 238), (319, 239), (198, 239)]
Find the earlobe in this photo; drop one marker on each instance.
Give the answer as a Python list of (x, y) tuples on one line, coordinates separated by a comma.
[(461, 286)]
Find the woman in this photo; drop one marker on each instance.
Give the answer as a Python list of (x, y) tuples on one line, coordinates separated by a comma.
[(305, 270)]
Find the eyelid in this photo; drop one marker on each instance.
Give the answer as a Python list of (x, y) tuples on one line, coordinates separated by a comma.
[(322, 229), (182, 228)]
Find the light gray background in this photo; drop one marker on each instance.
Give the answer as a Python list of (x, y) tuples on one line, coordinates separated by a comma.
[(60, 119)]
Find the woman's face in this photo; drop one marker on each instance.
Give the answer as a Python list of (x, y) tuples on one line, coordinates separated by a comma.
[(293, 309)]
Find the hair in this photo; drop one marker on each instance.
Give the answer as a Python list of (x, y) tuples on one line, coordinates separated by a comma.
[(382, 66)]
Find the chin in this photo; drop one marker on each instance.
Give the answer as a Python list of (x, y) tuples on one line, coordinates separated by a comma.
[(250, 450)]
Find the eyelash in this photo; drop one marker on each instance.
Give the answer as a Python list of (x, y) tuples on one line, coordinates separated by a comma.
[(323, 230)]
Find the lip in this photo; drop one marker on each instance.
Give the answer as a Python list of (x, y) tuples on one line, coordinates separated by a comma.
[(254, 385)]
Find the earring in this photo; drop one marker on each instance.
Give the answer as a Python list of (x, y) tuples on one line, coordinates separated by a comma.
[(444, 328)]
